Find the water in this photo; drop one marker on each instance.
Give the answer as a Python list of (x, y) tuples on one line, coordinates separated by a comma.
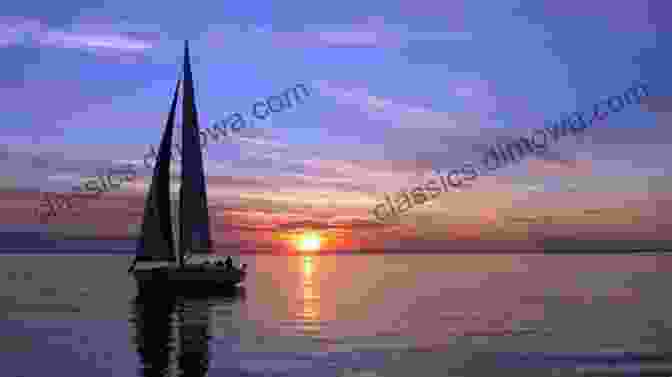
[(375, 315)]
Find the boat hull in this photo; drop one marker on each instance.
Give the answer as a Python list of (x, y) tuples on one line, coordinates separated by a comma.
[(190, 279)]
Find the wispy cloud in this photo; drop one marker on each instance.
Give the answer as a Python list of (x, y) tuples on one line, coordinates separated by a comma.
[(639, 16), (93, 38), (93, 42), (18, 30), (373, 33), (402, 115)]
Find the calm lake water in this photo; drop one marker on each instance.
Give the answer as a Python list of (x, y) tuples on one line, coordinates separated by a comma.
[(369, 315)]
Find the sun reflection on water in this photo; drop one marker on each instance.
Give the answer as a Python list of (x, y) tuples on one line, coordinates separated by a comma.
[(307, 267), (310, 297)]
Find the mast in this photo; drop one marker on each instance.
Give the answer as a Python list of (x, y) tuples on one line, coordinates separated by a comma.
[(194, 219), (156, 238)]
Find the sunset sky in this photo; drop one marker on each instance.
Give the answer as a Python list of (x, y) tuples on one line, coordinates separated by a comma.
[(397, 89)]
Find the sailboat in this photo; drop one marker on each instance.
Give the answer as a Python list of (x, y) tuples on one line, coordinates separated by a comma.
[(163, 239)]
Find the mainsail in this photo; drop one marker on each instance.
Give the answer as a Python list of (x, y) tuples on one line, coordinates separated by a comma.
[(156, 237), (194, 221)]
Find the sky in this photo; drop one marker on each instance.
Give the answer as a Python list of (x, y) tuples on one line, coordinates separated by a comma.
[(397, 90)]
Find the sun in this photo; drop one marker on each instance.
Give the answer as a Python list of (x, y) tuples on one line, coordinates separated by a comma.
[(309, 242)]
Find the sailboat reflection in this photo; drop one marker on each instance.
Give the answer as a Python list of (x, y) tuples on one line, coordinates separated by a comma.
[(172, 333)]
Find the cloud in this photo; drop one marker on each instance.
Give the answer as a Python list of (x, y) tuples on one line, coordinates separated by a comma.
[(645, 15), (400, 115), (93, 38), (93, 42), (542, 167), (372, 33), (351, 38), (18, 30), (632, 136), (662, 107), (345, 38)]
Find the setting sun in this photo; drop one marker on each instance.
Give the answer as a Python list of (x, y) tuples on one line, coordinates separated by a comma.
[(309, 242)]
